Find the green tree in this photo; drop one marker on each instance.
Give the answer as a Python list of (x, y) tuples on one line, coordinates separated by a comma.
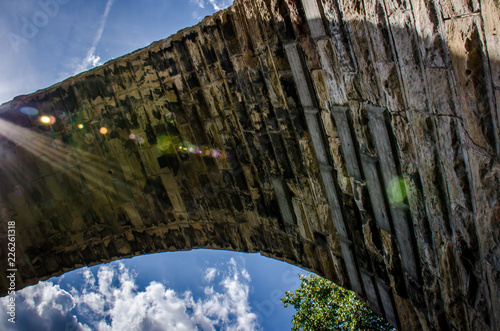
[(322, 305)]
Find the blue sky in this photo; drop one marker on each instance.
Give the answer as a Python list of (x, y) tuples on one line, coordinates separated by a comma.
[(45, 41), (196, 290)]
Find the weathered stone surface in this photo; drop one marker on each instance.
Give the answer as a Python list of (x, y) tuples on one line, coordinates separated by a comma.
[(358, 140)]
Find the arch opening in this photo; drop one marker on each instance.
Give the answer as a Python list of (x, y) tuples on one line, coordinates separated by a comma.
[(198, 289)]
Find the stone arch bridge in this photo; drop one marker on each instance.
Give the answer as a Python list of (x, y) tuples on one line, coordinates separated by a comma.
[(357, 139)]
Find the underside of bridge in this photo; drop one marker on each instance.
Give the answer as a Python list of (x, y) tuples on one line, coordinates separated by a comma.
[(356, 139)]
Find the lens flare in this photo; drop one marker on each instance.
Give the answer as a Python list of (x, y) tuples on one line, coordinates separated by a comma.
[(164, 144), (170, 117), (30, 111), (396, 190), (107, 123), (88, 138), (103, 130), (132, 136), (112, 88), (188, 148), (46, 119)]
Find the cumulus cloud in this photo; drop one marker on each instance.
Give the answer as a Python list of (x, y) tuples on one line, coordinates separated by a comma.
[(111, 301), (48, 307)]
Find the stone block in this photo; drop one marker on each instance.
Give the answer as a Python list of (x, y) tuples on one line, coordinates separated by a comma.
[(490, 12), (339, 35), (378, 29), (171, 188), (283, 200), (442, 98), (332, 75), (313, 124), (314, 19), (391, 85), (370, 291), (391, 182), (349, 149), (350, 263), (300, 75), (333, 201), (375, 191), (387, 302), (428, 27), (363, 82), (454, 8), (465, 40)]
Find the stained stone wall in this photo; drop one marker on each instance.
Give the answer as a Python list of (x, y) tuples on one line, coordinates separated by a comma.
[(357, 139)]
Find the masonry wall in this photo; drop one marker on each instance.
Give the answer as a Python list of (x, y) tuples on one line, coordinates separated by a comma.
[(355, 139)]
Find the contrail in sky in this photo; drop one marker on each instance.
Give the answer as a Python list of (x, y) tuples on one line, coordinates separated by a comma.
[(91, 60)]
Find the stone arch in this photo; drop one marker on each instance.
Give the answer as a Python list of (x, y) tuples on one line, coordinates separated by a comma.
[(355, 139)]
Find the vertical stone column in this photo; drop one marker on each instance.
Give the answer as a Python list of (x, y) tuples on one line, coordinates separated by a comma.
[(307, 99)]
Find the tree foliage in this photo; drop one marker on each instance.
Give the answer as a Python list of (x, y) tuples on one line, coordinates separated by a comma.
[(322, 305)]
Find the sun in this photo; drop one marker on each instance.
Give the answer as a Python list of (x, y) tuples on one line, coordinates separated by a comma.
[(45, 119)]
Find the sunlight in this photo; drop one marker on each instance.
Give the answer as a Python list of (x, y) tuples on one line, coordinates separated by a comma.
[(47, 119), (76, 162), (72, 158)]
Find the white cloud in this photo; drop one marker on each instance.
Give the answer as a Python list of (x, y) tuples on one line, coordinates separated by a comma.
[(89, 277), (246, 275), (92, 60), (95, 301), (215, 4), (44, 306), (200, 3), (46, 298), (105, 277), (220, 4), (113, 302), (210, 274)]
